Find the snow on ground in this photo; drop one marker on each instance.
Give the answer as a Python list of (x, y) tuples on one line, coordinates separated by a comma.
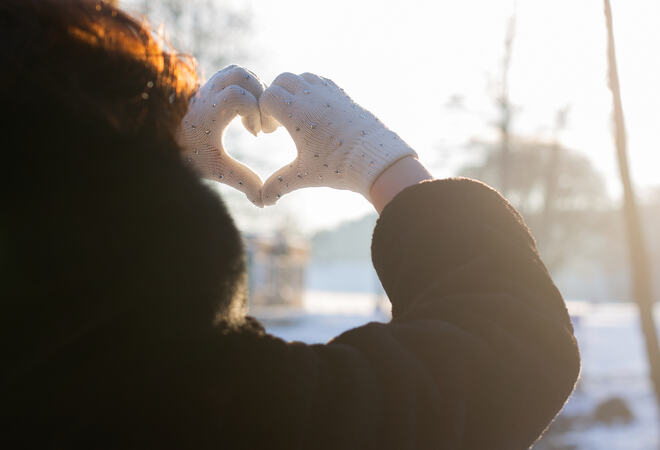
[(324, 316), (613, 360), (613, 364)]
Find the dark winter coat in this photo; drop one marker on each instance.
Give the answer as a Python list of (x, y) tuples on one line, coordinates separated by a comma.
[(479, 354)]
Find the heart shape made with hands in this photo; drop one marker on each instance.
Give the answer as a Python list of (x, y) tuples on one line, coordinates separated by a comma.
[(230, 92), (339, 144)]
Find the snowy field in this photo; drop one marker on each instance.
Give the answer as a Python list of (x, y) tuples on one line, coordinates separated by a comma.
[(613, 363)]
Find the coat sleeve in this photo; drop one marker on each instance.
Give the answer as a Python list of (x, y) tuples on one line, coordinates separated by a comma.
[(479, 353)]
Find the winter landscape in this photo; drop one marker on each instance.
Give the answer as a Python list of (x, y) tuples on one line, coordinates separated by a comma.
[(552, 103)]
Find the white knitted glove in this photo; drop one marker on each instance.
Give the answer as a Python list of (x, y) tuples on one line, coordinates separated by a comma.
[(230, 92), (340, 144)]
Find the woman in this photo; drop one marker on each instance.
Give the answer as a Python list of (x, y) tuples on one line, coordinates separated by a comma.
[(124, 278)]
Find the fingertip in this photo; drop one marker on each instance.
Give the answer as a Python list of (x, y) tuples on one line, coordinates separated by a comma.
[(252, 123), (270, 199), (253, 195), (257, 201), (268, 123)]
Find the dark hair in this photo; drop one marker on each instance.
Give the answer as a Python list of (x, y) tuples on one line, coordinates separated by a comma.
[(101, 221)]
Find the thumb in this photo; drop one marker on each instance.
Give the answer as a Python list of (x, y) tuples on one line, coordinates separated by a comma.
[(221, 167), (268, 123), (285, 180), (241, 177)]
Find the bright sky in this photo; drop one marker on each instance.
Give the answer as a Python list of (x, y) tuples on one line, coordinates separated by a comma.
[(403, 60)]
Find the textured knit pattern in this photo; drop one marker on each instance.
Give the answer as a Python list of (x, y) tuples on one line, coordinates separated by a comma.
[(479, 354), (230, 92), (339, 143)]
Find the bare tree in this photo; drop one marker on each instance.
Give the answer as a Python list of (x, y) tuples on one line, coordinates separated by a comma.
[(639, 258), (556, 189), (505, 107), (551, 178), (210, 30)]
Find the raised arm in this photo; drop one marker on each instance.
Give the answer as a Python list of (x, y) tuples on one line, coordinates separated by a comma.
[(479, 352)]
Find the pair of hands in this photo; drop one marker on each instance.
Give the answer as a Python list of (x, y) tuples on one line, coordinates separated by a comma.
[(339, 144)]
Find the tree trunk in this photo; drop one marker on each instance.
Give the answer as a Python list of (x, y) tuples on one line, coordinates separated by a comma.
[(551, 182), (506, 109), (639, 259)]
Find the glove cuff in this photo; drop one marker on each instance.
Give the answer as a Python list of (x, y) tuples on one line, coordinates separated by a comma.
[(373, 154)]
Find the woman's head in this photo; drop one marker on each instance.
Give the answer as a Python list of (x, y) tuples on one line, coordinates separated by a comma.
[(96, 62), (100, 216)]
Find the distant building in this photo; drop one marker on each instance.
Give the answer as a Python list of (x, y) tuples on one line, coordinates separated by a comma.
[(276, 271)]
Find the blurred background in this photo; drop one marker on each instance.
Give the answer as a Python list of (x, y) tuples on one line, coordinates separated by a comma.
[(523, 95)]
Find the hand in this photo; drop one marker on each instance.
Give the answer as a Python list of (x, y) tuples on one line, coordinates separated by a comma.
[(340, 144), (230, 92)]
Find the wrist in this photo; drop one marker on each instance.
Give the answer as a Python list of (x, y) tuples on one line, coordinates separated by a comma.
[(406, 172)]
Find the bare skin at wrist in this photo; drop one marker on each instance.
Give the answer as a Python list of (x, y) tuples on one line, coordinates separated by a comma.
[(403, 173)]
